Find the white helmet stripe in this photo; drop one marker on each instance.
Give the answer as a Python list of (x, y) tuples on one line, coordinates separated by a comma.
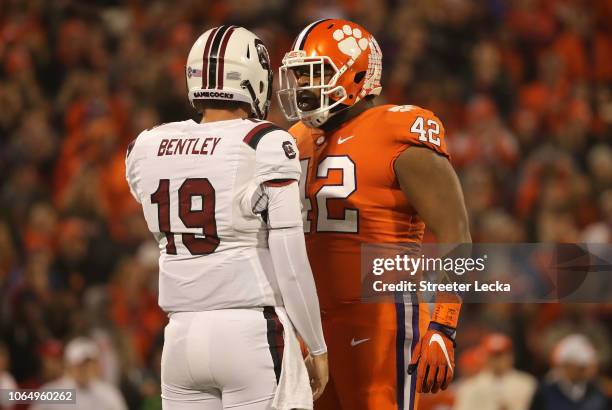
[(205, 57), (301, 38), (221, 56)]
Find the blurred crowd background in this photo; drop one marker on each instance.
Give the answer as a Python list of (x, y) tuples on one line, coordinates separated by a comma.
[(522, 86)]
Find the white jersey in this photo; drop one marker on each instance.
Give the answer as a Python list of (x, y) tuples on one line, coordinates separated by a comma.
[(199, 186)]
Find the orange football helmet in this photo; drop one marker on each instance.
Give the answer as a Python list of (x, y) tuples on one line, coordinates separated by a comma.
[(354, 57)]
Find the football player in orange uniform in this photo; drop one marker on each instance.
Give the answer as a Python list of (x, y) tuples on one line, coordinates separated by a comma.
[(370, 174)]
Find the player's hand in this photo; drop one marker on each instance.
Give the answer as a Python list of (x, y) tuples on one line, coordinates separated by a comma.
[(318, 370), (434, 359)]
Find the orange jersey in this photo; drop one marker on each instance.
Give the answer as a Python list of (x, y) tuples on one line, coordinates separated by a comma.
[(352, 197), (351, 194)]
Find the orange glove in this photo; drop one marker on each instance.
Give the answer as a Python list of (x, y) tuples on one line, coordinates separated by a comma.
[(434, 359)]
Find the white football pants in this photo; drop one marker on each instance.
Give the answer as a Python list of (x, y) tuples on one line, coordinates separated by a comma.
[(221, 359)]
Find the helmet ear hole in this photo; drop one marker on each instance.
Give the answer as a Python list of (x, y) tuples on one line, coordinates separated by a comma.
[(359, 76), (261, 86)]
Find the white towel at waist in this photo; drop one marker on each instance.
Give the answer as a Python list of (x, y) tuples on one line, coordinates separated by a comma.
[(293, 391)]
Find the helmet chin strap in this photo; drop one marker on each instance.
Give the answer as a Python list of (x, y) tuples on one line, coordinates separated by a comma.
[(255, 106), (325, 117), (317, 120)]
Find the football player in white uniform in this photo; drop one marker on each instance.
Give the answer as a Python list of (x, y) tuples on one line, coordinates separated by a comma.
[(221, 197)]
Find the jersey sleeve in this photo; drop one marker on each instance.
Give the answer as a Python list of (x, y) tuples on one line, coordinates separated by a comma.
[(130, 170), (416, 127), (276, 155)]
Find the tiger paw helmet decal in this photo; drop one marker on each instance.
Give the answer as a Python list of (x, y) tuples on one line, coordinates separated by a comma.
[(350, 41)]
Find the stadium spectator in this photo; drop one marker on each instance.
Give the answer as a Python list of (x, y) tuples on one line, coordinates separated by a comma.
[(82, 375), (498, 385), (571, 382), (52, 365)]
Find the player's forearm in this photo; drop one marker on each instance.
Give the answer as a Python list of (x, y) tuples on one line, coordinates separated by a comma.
[(288, 250), (448, 304), (297, 286)]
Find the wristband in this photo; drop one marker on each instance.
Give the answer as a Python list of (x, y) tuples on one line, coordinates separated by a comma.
[(446, 314), (449, 332)]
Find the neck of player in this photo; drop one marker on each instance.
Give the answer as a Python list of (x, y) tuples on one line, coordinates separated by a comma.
[(214, 114), (346, 115)]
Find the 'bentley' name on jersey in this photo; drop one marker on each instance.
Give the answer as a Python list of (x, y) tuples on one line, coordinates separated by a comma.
[(191, 146)]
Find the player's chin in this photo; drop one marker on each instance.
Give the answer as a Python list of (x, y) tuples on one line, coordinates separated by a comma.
[(307, 100)]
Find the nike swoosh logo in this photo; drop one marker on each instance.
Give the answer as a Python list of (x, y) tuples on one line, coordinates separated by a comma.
[(343, 140), (358, 342), (438, 339)]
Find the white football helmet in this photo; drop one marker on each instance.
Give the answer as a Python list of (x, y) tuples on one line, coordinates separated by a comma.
[(230, 63)]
